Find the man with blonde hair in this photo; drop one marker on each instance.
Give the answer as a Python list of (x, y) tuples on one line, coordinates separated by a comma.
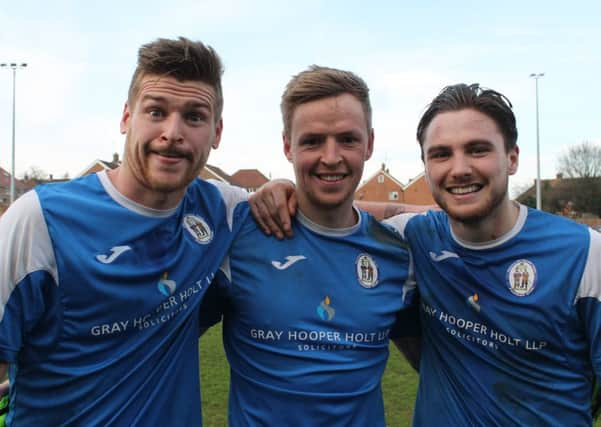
[(307, 320)]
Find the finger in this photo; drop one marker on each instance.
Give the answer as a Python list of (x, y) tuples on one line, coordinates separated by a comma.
[(256, 213), (279, 211), (291, 211), (269, 218), (284, 220), (292, 204)]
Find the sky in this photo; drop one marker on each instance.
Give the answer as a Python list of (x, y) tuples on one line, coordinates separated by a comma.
[(81, 55)]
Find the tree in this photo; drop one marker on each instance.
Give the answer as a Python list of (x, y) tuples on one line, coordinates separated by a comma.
[(35, 173), (581, 161)]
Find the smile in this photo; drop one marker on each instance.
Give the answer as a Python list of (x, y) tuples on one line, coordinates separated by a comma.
[(331, 177), (171, 155), (465, 190)]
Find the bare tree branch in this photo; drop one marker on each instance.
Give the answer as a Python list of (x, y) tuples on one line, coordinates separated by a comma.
[(581, 161)]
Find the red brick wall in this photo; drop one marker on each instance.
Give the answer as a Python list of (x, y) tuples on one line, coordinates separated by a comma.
[(418, 193), (373, 191)]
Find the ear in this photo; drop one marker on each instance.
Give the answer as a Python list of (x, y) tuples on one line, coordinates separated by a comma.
[(513, 160), (218, 132), (370, 145), (124, 124), (287, 146)]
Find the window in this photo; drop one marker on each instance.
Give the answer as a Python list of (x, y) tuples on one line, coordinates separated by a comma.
[(380, 179), (393, 195)]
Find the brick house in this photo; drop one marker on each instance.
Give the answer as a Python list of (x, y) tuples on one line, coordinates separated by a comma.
[(100, 165), (20, 188), (568, 197), (383, 187), (249, 179)]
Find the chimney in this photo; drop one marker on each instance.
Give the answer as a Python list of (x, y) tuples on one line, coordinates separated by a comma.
[(116, 158)]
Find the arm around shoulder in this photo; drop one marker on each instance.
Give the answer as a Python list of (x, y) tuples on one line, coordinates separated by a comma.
[(383, 210)]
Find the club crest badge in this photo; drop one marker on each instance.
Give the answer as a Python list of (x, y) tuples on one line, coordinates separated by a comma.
[(367, 271), (198, 229), (521, 277)]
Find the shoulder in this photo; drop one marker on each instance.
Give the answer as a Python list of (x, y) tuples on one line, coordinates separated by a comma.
[(407, 221), (231, 194), (73, 186), (25, 244), (25, 210), (556, 227)]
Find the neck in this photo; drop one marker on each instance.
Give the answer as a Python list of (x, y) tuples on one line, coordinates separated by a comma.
[(127, 184), (332, 218), (494, 225)]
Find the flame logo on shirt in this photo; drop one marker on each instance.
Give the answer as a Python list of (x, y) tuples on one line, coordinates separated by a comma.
[(166, 286), (325, 310), (473, 301)]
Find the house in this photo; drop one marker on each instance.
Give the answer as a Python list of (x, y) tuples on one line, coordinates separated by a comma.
[(380, 187), (213, 172), (417, 191), (99, 165), (249, 179), (5, 180), (383, 187), (575, 198)]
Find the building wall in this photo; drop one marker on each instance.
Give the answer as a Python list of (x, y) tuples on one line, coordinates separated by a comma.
[(205, 174), (418, 193), (96, 168), (374, 191)]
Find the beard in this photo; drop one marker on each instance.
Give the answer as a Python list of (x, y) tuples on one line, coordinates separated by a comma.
[(157, 179), (474, 216)]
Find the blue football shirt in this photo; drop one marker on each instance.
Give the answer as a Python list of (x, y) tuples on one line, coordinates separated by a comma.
[(99, 302), (511, 327)]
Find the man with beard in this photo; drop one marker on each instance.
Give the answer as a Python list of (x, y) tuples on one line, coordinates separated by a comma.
[(101, 277), (510, 307)]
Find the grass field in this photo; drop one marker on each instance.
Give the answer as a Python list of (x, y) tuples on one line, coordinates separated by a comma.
[(398, 384)]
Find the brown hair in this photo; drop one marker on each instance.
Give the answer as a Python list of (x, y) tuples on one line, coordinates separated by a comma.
[(321, 82), (182, 59), (487, 101)]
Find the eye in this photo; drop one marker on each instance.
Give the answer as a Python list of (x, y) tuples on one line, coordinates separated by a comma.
[(439, 154), (156, 113), (348, 139), (195, 116), (310, 141), (479, 150)]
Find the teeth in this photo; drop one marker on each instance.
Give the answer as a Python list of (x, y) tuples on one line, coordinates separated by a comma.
[(331, 177), (464, 190)]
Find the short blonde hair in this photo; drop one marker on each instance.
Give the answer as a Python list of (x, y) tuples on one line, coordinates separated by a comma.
[(321, 82)]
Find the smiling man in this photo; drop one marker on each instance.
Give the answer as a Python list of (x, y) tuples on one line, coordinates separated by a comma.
[(101, 277), (307, 320), (509, 295)]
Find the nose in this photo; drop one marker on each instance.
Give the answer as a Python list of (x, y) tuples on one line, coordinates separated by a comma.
[(331, 152), (172, 129), (460, 166)]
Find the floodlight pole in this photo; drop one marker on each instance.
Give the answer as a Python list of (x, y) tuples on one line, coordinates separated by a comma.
[(13, 66), (537, 76)]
